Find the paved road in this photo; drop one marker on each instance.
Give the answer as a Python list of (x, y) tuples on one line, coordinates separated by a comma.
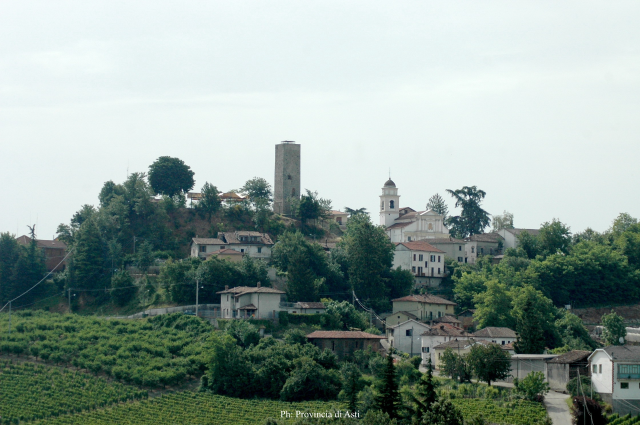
[(557, 408)]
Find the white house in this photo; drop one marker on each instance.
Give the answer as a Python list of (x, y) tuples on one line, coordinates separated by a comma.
[(406, 224), (439, 334), (424, 306), (510, 236), (501, 336), (424, 261), (253, 244), (247, 301), (615, 375), (405, 336)]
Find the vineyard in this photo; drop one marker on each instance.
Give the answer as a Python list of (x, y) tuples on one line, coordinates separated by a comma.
[(517, 412), (623, 420), (191, 408), (29, 391), (153, 352)]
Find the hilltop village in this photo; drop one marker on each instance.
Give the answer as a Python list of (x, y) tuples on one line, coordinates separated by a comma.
[(269, 292)]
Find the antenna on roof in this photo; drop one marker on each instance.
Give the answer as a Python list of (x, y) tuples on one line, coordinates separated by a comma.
[(389, 173)]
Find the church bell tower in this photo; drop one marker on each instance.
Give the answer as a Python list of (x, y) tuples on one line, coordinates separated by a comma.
[(389, 203)]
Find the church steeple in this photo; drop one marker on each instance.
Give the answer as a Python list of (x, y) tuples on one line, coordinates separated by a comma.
[(389, 203)]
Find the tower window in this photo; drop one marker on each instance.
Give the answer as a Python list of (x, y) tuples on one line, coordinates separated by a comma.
[(391, 204), (289, 177)]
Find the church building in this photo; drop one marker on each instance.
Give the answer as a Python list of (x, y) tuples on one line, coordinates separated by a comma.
[(406, 224)]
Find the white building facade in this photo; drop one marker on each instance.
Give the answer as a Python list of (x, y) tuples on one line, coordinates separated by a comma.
[(424, 261), (253, 244), (615, 375), (247, 301), (406, 336)]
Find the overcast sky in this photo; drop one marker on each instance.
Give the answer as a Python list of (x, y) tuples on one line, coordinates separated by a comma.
[(537, 103)]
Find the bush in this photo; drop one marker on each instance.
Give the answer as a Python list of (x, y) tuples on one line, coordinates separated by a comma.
[(305, 319), (533, 387), (283, 318), (295, 336)]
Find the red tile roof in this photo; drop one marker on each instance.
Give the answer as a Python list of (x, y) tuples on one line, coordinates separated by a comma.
[(420, 246), (42, 243), (239, 290), (426, 298), (343, 335)]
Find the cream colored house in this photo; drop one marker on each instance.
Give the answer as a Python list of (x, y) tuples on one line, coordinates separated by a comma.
[(423, 260), (425, 307), (248, 301), (399, 317)]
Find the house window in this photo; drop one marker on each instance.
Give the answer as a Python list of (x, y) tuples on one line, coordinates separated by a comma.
[(391, 204), (425, 265), (381, 205), (409, 240), (414, 257), (227, 298), (203, 248), (242, 250), (595, 368), (333, 345), (459, 259), (491, 251), (502, 342), (459, 247), (600, 367), (438, 258), (259, 250), (431, 271), (438, 270), (425, 349), (433, 258), (481, 250), (473, 249), (413, 269), (420, 257), (624, 385), (409, 332), (465, 259)]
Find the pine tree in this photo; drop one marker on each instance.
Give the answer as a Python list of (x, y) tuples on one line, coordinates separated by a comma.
[(301, 283), (88, 261), (389, 399), (9, 254), (437, 204), (425, 393), (531, 338)]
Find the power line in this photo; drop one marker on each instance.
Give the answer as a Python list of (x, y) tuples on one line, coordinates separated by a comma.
[(42, 280)]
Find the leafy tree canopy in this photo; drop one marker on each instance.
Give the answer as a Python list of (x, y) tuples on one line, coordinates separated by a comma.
[(614, 329), (473, 219), (170, 176), (504, 221)]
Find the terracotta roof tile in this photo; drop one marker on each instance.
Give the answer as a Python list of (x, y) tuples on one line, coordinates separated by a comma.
[(572, 357), (343, 335), (239, 290), (495, 332), (425, 298), (420, 246)]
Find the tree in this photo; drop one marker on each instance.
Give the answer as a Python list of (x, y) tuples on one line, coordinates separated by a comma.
[(258, 190), (310, 381), (532, 387), (210, 202), (622, 223), (352, 383), (170, 176), (528, 243), (301, 282), (613, 329), (243, 332), (389, 398), (455, 366), (473, 219), (493, 307), (438, 205), (489, 362), (370, 257), (586, 411), (145, 256), (88, 260), (467, 286), (535, 321), (310, 207), (352, 211), (9, 254), (554, 237), (343, 315), (27, 270), (230, 372), (443, 412), (573, 333), (425, 393), (504, 221), (122, 288)]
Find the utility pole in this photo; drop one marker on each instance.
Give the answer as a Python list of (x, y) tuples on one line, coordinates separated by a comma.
[(9, 317), (411, 341), (197, 294)]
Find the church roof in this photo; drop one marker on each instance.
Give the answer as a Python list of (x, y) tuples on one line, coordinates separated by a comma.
[(399, 225), (389, 183), (419, 246)]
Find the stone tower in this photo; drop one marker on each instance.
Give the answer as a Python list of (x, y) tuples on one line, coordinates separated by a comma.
[(389, 203), (287, 178)]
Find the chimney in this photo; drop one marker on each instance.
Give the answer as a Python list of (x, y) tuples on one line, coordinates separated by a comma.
[(442, 327), (226, 287), (258, 284)]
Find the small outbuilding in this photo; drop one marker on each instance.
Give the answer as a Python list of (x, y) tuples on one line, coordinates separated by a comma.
[(344, 343), (566, 367)]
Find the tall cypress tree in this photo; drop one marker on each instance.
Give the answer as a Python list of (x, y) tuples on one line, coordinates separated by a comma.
[(389, 399), (28, 270), (88, 259), (425, 393)]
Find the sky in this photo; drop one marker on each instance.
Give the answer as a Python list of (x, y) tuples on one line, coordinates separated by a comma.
[(534, 102)]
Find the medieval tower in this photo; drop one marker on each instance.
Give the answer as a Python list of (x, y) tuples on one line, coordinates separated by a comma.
[(287, 178)]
